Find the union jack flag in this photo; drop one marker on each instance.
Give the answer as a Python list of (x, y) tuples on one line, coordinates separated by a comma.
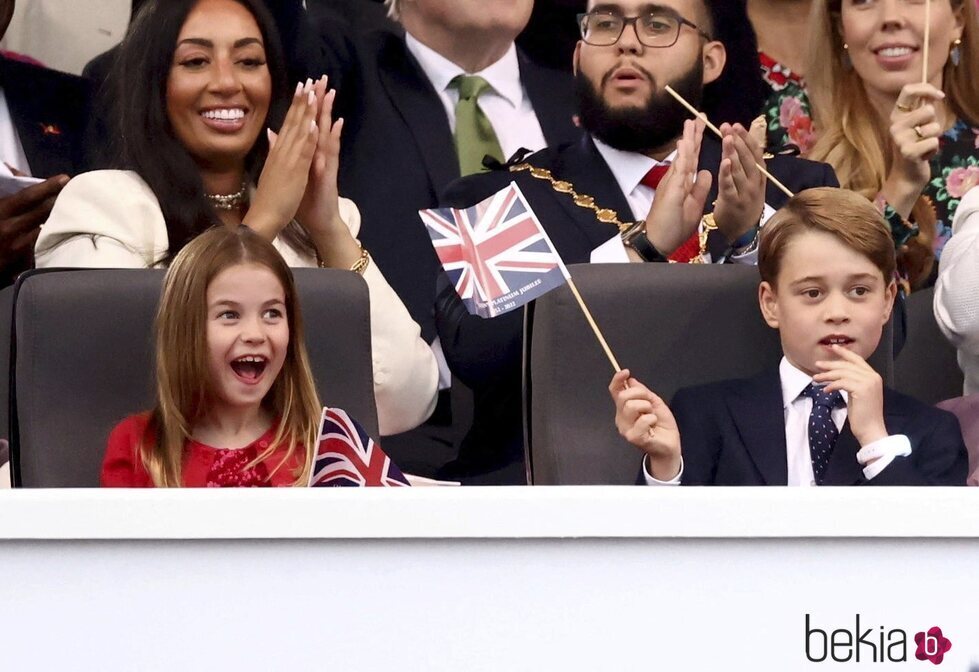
[(347, 457), (495, 252)]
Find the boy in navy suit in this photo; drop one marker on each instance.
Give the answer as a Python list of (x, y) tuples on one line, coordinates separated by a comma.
[(824, 417)]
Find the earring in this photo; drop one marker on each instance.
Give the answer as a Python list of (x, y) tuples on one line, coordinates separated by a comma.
[(847, 63), (956, 54)]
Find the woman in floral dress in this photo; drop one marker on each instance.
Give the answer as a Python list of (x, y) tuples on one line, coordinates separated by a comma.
[(910, 145)]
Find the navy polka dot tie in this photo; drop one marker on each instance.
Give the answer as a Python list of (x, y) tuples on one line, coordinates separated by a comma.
[(822, 429)]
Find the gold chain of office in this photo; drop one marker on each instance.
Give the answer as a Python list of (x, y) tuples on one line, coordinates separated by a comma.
[(605, 215)]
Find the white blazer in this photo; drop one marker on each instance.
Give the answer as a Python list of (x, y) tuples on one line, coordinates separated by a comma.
[(112, 219)]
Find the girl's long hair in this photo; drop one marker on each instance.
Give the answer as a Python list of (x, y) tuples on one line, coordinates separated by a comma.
[(144, 140), (183, 388)]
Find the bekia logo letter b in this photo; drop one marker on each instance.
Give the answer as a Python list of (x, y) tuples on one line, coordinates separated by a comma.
[(932, 645)]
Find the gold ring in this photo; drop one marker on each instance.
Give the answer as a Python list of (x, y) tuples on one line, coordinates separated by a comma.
[(917, 131), (904, 108)]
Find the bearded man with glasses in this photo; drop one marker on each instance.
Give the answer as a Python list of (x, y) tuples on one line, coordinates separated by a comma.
[(601, 199)]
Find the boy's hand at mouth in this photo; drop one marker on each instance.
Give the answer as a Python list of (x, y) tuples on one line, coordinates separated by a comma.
[(865, 390)]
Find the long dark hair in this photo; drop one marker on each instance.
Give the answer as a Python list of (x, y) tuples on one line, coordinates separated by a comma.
[(738, 95), (144, 140)]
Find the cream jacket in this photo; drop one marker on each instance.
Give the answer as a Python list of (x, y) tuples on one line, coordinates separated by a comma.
[(957, 289), (112, 219)]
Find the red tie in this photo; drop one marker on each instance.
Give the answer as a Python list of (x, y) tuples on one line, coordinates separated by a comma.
[(691, 248), (655, 175)]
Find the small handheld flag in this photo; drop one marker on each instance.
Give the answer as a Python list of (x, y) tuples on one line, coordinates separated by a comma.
[(496, 252), (499, 257), (347, 457)]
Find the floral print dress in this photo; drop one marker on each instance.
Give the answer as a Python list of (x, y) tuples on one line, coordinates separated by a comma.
[(787, 108), (954, 170)]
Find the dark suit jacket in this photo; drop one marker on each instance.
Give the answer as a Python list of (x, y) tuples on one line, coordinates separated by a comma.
[(49, 110), (486, 354), (733, 433), (398, 152)]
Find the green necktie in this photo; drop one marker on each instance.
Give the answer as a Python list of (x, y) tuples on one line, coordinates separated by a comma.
[(475, 137)]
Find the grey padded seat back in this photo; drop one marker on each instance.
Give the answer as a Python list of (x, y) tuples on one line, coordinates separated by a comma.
[(84, 360), (671, 325), (6, 322), (927, 367)]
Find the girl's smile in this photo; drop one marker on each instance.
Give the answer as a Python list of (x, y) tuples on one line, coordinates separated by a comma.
[(247, 336)]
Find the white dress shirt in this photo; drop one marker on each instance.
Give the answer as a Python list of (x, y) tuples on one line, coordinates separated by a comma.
[(628, 169), (957, 290), (874, 457), (11, 151), (506, 105)]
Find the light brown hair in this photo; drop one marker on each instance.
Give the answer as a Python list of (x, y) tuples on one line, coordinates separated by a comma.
[(845, 215), (852, 137), (183, 388)]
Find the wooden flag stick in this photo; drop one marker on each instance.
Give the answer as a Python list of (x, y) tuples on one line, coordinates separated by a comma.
[(700, 115), (594, 326), (924, 53)]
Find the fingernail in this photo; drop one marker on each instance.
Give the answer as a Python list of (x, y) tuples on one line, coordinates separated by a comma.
[(268, 134), (311, 98), (309, 82), (299, 87)]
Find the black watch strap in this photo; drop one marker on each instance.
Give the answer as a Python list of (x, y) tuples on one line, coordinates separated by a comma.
[(640, 243)]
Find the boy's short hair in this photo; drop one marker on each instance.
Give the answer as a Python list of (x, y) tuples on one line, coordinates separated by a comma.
[(844, 214)]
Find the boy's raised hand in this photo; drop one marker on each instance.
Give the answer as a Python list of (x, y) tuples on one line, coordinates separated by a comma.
[(645, 421), (865, 406)]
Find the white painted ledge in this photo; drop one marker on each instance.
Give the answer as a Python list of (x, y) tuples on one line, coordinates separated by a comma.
[(501, 512)]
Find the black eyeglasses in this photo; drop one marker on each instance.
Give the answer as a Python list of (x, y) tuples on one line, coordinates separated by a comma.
[(655, 29)]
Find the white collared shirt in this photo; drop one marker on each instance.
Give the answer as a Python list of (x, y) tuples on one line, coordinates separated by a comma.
[(506, 105), (797, 409), (628, 169), (11, 151)]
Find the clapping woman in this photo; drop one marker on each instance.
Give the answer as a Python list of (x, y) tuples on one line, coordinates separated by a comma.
[(198, 85)]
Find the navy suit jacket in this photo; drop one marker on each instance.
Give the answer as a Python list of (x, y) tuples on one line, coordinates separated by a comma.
[(733, 433), (398, 152), (486, 354), (50, 111)]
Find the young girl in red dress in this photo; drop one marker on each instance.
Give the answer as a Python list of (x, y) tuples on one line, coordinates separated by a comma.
[(236, 403)]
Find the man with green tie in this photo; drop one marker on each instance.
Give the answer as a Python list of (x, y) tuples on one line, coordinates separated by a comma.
[(424, 102)]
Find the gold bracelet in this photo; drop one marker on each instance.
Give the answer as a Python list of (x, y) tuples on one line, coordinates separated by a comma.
[(361, 264)]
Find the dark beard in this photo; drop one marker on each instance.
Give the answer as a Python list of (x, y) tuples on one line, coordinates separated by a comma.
[(640, 129)]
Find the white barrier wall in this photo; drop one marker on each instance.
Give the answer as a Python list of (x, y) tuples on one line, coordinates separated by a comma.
[(485, 579)]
